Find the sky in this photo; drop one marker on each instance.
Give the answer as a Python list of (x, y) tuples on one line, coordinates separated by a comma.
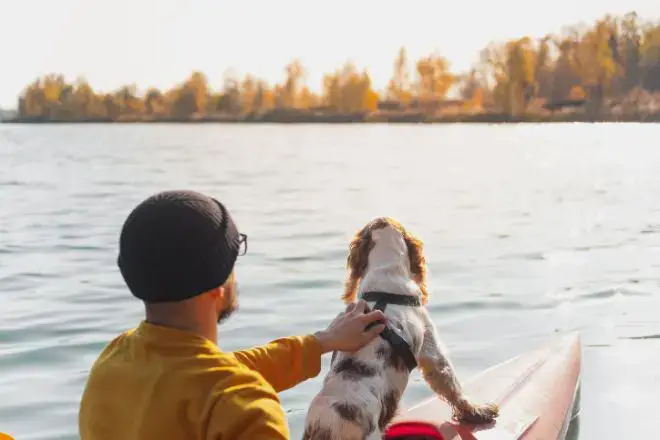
[(160, 42)]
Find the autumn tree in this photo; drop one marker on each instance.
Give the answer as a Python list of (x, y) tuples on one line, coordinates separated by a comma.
[(521, 66), (264, 97), (248, 94), (111, 106), (543, 69), (86, 103), (33, 102), (229, 100), (594, 63), (433, 78), (630, 53), (399, 87), (191, 97), (349, 91), (471, 89), (155, 103), (650, 59), (494, 58), (564, 75), (288, 93), (307, 99), (128, 101)]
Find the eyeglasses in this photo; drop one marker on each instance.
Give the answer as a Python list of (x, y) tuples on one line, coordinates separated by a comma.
[(242, 244)]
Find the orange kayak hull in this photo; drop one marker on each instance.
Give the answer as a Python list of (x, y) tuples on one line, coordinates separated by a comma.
[(538, 394)]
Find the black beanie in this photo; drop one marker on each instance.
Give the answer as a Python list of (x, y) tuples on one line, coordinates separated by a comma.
[(176, 245)]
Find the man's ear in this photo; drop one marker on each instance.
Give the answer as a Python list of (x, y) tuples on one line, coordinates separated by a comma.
[(217, 293)]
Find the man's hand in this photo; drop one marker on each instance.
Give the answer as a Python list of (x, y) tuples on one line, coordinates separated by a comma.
[(347, 332)]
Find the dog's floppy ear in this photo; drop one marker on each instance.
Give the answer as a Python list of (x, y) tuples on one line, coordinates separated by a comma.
[(417, 262), (356, 263)]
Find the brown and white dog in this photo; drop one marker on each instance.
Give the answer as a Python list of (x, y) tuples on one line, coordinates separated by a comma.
[(361, 393)]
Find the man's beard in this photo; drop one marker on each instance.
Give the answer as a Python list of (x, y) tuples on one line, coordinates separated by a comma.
[(232, 306)]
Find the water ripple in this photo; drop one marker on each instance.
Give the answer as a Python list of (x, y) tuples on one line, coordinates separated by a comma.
[(645, 337)]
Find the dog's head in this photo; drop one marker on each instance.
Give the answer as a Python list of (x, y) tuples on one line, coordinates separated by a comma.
[(363, 243)]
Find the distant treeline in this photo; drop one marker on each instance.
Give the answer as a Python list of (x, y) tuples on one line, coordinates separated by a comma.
[(607, 71)]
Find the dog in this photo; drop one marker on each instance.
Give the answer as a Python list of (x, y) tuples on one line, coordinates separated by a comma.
[(361, 392)]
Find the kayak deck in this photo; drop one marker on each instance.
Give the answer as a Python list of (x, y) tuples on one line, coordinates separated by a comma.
[(536, 392)]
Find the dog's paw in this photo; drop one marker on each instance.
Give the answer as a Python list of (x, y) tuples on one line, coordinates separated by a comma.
[(478, 414)]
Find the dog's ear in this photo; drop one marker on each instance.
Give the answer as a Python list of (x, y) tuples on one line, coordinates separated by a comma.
[(417, 262), (356, 263)]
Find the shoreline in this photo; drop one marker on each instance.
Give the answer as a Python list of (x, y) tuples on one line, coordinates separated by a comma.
[(300, 118)]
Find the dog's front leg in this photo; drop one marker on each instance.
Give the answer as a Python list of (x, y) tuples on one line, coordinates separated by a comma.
[(439, 374)]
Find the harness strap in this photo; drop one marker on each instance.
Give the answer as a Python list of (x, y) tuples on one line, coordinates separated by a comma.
[(399, 345), (392, 298)]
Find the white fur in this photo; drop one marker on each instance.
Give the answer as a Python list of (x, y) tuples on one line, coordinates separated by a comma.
[(388, 270)]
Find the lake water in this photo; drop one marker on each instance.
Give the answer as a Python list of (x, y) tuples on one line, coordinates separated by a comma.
[(529, 231)]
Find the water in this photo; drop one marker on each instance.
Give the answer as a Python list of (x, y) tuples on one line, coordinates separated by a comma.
[(529, 231)]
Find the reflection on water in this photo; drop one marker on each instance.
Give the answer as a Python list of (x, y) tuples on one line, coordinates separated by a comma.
[(573, 431)]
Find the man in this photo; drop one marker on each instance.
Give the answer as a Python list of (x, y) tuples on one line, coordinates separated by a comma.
[(167, 378)]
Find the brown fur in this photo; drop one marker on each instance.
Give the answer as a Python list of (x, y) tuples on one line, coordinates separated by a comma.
[(392, 359), (358, 257), (317, 432), (354, 369), (355, 414), (390, 404)]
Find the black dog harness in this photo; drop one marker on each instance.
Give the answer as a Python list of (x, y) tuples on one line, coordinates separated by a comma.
[(399, 345)]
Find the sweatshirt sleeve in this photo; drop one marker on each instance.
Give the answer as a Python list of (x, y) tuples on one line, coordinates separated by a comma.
[(246, 408), (284, 362)]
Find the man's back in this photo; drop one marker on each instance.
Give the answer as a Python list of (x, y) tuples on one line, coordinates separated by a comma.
[(177, 252), (159, 383)]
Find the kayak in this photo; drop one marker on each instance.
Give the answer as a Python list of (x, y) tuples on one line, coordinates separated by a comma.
[(538, 394)]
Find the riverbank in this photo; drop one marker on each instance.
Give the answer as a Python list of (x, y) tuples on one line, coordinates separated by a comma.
[(310, 117)]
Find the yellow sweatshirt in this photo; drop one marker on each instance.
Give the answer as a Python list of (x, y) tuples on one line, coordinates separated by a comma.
[(157, 383)]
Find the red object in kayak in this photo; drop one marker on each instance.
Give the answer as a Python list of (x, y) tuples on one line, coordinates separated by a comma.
[(538, 394), (413, 430)]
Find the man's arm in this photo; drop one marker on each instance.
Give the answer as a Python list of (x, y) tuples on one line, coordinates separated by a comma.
[(288, 361), (284, 362), (245, 408)]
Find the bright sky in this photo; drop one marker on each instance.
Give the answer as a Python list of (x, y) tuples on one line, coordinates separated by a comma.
[(159, 42)]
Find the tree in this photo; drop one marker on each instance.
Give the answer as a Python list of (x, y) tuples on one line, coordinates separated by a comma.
[(154, 103), (248, 95), (650, 59), (295, 73), (472, 89), (433, 78), (398, 88), (594, 63), (349, 91), (630, 50), (564, 76), (520, 65), (229, 100)]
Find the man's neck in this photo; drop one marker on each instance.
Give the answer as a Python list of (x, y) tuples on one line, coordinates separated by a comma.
[(161, 314)]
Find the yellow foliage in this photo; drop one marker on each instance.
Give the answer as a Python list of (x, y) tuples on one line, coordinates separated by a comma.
[(606, 60), (349, 91), (399, 88), (576, 93), (434, 78), (477, 98)]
